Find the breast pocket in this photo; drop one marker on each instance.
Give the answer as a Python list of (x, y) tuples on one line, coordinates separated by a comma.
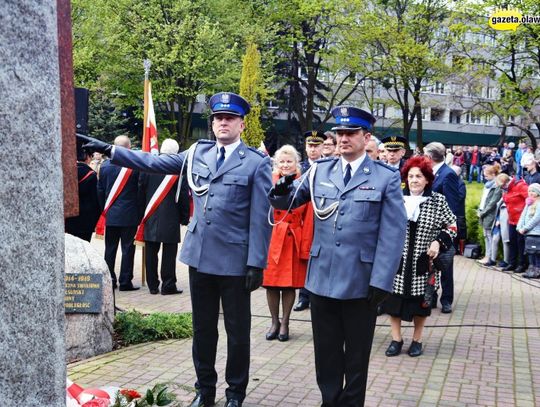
[(324, 196), (200, 174), (237, 187), (366, 205)]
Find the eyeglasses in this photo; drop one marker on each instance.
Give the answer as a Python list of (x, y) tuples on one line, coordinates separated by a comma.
[(328, 144)]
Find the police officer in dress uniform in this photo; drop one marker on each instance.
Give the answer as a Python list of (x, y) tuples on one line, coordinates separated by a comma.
[(395, 147), (360, 222), (226, 244), (314, 150)]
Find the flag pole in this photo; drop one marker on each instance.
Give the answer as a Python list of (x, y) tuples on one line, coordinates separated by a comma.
[(146, 63)]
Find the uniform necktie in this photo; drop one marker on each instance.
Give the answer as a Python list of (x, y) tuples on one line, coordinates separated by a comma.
[(221, 157), (347, 176)]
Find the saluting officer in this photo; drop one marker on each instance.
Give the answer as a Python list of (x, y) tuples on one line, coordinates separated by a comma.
[(229, 182), (360, 223)]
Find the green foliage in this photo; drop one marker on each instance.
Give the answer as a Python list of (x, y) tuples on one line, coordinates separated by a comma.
[(474, 229), (105, 121), (134, 327), (253, 90)]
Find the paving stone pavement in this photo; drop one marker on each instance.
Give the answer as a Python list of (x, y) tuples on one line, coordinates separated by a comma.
[(486, 353)]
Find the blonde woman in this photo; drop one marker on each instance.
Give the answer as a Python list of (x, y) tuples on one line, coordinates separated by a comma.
[(487, 210), (289, 250)]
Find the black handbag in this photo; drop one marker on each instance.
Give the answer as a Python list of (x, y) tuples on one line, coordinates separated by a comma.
[(532, 244)]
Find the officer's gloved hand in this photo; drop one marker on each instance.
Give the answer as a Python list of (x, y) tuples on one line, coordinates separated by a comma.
[(93, 144), (254, 278), (376, 296), (283, 185)]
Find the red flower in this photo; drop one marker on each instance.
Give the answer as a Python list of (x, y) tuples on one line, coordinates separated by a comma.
[(130, 394), (97, 403)]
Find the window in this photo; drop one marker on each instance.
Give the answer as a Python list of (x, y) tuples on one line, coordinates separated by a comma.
[(472, 118), (455, 116), (439, 87), (379, 110), (437, 115)]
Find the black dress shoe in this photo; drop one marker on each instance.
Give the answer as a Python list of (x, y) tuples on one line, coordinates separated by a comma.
[(176, 291), (520, 269), (415, 349), (446, 308), (283, 337), (233, 403), (510, 267), (270, 336), (394, 348), (129, 288), (200, 401), (154, 291), (301, 305)]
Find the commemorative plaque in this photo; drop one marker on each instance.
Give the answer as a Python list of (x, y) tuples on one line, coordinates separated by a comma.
[(84, 294)]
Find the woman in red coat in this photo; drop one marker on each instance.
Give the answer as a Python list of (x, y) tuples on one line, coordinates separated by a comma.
[(289, 250), (515, 192)]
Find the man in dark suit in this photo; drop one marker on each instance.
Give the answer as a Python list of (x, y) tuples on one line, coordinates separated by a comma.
[(122, 218), (84, 224), (162, 228), (447, 183), (314, 149), (226, 244)]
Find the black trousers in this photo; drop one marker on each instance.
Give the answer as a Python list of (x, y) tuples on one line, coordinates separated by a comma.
[(447, 276), (342, 337), (303, 295), (124, 236), (207, 290), (168, 266), (517, 247)]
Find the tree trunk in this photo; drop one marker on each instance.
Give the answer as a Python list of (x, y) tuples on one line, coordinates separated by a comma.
[(419, 129)]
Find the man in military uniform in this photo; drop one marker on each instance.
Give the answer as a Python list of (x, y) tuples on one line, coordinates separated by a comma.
[(395, 150), (226, 244), (360, 223), (314, 149)]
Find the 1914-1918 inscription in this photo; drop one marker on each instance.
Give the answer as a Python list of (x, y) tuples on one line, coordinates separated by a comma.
[(84, 294)]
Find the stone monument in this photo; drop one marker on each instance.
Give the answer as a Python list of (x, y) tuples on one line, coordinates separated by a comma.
[(89, 328), (32, 350)]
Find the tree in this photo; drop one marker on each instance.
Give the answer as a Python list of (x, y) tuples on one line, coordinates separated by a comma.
[(189, 52), (405, 51), (506, 62), (253, 90), (105, 120)]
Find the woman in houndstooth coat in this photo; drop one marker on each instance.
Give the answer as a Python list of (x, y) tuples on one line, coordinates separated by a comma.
[(430, 229)]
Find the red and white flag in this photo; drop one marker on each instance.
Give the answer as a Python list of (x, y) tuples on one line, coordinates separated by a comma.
[(150, 138)]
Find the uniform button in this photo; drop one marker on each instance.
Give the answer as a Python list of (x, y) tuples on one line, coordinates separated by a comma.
[(343, 197), (338, 243), (211, 194), (209, 208), (342, 212), (339, 227), (208, 222)]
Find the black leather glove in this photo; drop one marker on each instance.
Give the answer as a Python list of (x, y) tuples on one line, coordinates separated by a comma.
[(95, 145), (254, 278), (282, 187), (376, 296)]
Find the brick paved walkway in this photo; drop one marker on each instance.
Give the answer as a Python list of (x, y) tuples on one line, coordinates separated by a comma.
[(472, 357)]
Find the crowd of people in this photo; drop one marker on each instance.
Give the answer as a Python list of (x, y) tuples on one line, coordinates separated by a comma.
[(358, 228)]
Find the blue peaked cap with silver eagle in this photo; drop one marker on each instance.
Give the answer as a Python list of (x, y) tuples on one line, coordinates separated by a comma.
[(352, 118), (231, 103)]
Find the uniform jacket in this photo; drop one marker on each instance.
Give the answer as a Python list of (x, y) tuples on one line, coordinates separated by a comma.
[(164, 224), (435, 222), (289, 247), (229, 229), (488, 214), (514, 198), (89, 208), (360, 244), (124, 210), (447, 183)]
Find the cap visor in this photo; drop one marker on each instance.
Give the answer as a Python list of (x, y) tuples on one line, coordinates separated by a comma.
[(348, 128), (226, 112)]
